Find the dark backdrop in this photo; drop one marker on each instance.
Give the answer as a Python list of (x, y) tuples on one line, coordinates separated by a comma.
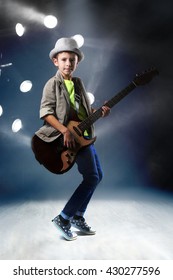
[(121, 38)]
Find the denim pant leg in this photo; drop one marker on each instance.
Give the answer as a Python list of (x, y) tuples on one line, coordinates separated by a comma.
[(89, 166), (83, 207)]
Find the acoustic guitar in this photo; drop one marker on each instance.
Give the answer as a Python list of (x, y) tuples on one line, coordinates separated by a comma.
[(65, 157)]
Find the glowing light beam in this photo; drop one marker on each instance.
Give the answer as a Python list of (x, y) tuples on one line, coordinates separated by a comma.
[(91, 97), (1, 110), (16, 125), (79, 40), (26, 86), (50, 21), (20, 30)]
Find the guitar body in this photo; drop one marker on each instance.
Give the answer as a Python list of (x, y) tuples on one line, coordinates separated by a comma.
[(68, 156), (54, 155)]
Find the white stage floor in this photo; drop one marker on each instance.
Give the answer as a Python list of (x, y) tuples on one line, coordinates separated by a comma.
[(127, 229)]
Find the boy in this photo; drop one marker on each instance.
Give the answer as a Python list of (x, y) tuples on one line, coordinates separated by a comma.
[(63, 97)]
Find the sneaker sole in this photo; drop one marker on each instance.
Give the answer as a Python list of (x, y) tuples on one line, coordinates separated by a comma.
[(63, 233), (84, 231)]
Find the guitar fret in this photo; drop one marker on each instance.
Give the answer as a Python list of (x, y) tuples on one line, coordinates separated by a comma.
[(85, 124), (120, 95), (90, 120)]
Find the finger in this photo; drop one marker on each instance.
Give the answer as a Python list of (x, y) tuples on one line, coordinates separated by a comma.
[(104, 110)]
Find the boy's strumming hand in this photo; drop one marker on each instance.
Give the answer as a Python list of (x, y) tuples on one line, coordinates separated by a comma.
[(69, 140)]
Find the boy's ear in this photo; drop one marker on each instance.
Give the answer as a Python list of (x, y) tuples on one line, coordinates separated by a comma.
[(55, 61)]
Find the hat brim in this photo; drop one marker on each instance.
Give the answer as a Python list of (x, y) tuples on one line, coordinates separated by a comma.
[(55, 51)]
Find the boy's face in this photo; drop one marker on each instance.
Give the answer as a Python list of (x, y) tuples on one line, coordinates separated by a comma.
[(67, 63)]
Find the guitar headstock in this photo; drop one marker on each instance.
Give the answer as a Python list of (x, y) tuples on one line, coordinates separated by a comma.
[(145, 77)]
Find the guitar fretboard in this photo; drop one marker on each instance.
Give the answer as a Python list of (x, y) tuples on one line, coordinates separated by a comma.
[(98, 113)]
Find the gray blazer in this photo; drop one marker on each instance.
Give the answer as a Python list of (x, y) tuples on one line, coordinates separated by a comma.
[(55, 100)]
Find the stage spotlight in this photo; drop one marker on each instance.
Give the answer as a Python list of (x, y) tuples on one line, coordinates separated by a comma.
[(1, 111), (26, 86), (91, 97), (79, 39), (20, 30), (50, 21), (16, 125)]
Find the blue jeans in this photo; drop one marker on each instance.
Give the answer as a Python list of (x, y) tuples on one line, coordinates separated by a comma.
[(89, 166)]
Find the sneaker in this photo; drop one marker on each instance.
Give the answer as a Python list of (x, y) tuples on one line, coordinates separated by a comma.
[(64, 229), (81, 225)]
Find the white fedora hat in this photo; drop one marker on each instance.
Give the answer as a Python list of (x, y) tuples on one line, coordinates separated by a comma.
[(66, 44)]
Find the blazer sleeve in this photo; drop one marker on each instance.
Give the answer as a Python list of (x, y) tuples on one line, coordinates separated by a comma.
[(48, 101)]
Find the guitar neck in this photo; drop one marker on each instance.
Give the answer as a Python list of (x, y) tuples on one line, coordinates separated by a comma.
[(85, 124)]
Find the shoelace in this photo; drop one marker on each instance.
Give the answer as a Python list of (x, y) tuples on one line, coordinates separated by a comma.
[(82, 223)]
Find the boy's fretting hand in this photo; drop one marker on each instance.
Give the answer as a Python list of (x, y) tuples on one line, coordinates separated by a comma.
[(105, 111)]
